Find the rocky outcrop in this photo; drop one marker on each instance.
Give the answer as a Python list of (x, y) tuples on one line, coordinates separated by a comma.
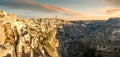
[(106, 38), (2, 13), (29, 37), (40, 37), (52, 37)]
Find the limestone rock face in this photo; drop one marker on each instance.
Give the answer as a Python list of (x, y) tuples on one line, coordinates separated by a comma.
[(2, 13), (29, 37), (107, 36), (40, 37), (51, 37)]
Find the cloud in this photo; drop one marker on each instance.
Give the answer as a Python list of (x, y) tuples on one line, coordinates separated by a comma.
[(109, 10), (25, 5), (61, 9), (32, 5), (115, 2), (112, 11), (102, 0)]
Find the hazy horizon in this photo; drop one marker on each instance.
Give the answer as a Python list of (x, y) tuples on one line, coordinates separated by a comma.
[(66, 9)]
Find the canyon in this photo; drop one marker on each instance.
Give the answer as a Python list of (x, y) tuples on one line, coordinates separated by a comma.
[(54, 37)]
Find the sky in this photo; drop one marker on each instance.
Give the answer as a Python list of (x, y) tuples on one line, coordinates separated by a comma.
[(66, 9)]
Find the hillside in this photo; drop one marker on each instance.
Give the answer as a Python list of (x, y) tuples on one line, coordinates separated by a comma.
[(106, 39)]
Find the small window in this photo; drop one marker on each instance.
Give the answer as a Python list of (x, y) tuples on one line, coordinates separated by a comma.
[(119, 50), (115, 49), (103, 46), (110, 41)]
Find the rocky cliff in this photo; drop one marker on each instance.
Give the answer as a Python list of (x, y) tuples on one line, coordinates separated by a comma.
[(52, 37), (28, 37), (105, 40)]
